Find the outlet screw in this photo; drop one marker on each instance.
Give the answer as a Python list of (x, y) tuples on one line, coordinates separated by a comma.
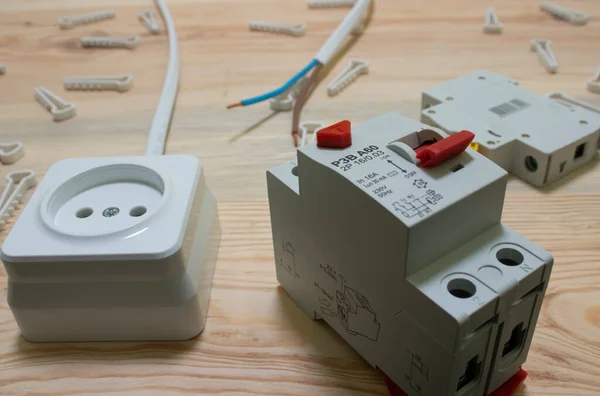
[(110, 212)]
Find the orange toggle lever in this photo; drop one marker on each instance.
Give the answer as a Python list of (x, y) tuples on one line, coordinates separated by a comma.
[(436, 153)]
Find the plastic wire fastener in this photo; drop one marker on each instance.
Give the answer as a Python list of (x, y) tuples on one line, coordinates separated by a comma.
[(593, 84), (17, 184), (148, 18), (573, 17), (129, 42), (11, 152), (296, 30), (309, 128), (491, 23), (75, 20), (2, 69), (543, 48), (570, 102), (330, 3), (285, 101), (354, 69), (120, 83), (59, 108), (436, 153)]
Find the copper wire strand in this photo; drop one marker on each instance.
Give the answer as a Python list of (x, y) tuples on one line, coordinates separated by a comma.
[(301, 100)]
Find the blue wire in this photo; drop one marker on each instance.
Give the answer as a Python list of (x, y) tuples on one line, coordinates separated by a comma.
[(283, 88)]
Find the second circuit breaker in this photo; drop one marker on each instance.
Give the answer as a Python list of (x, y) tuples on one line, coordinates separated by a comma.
[(391, 233), (534, 137)]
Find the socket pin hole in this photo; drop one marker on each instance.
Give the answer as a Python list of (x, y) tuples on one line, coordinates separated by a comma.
[(461, 288), (510, 257), (531, 163), (295, 170), (84, 213), (138, 211)]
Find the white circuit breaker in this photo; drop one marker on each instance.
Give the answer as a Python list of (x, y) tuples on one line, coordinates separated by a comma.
[(114, 249), (534, 137), (409, 264)]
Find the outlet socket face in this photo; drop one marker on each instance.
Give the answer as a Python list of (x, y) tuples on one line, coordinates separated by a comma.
[(107, 208), (105, 200)]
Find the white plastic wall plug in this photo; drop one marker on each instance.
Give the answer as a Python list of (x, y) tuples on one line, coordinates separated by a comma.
[(148, 18), (355, 69), (296, 30), (119, 83), (17, 184), (129, 42), (125, 249), (593, 84), (491, 24), (69, 22), (330, 3), (59, 108), (543, 48), (11, 152), (573, 17), (309, 128), (285, 101)]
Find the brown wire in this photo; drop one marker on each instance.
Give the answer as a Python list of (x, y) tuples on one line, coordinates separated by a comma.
[(301, 100)]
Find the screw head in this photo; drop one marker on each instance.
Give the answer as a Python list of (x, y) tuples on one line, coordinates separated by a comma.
[(110, 212)]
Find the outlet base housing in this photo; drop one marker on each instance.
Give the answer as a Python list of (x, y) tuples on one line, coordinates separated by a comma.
[(112, 249)]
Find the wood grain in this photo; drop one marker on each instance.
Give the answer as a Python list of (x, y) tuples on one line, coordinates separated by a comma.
[(256, 340)]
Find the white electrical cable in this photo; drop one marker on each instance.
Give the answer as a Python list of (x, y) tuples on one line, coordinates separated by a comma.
[(334, 41), (166, 103)]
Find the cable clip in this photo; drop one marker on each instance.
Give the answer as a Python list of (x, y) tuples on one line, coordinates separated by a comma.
[(573, 17), (491, 24), (120, 83), (18, 182), (355, 69), (297, 30), (330, 3), (543, 48), (309, 128), (11, 152), (129, 42), (59, 108), (285, 101), (75, 20), (148, 18), (570, 102), (593, 84)]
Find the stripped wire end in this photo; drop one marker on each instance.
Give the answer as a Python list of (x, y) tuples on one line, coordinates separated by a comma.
[(231, 106), (295, 137)]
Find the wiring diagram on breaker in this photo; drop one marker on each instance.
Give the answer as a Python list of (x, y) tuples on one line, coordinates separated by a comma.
[(288, 259), (353, 310)]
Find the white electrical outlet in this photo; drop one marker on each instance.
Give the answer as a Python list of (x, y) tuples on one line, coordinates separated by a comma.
[(117, 248), (534, 137), (411, 265)]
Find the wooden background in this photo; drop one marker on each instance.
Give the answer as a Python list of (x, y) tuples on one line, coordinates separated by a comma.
[(256, 340)]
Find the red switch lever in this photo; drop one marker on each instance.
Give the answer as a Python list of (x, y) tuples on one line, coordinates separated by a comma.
[(445, 149), (335, 136)]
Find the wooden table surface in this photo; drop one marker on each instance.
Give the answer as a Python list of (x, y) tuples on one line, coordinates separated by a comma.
[(256, 340)]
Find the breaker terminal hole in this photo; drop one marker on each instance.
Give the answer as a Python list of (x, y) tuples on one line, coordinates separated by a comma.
[(579, 151), (84, 213), (471, 373), (510, 257), (517, 337), (531, 163), (295, 170), (461, 288)]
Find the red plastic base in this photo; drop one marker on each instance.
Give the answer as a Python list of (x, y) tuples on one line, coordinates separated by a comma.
[(506, 389)]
